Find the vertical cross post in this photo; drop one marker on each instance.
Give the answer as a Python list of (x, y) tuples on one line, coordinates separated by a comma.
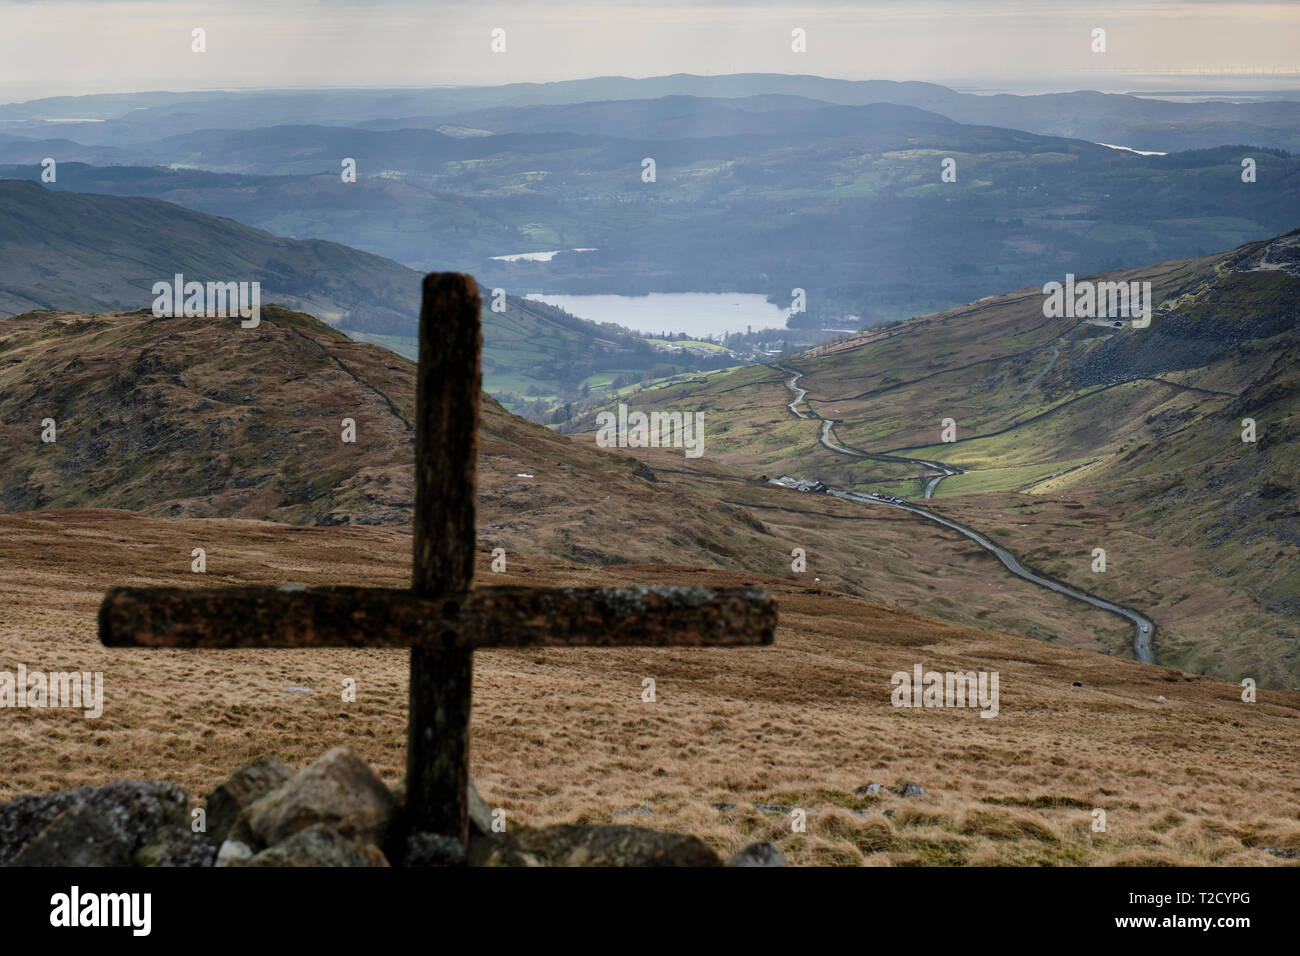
[(446, 466)]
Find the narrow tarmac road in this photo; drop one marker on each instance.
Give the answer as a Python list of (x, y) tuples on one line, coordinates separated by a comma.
[(1143, 628)]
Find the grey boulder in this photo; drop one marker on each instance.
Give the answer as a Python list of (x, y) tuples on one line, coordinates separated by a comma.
[(757, 854)]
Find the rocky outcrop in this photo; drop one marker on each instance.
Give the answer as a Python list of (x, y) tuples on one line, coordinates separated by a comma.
[(433, 849), (79, 836), (338, 790), (246, 785), (757, 854), (603, 845), (337, 794), (118, 824), (334, 812), (319, 845)]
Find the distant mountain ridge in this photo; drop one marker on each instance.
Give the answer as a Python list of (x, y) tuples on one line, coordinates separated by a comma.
[(844, 202), (1099, 117), (297, 149), (81, 252), (761, 186)]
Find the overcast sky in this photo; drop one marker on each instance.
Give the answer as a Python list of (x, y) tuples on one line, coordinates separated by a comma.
[(55, 47)]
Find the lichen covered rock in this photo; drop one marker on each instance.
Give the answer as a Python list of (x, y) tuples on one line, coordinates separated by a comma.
[(242, 788), (135, 811), (338, 790), (319, 845), (604, 845), (79, 836)]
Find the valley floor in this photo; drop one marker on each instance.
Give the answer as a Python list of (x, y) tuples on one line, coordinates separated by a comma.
[(1186, 772)]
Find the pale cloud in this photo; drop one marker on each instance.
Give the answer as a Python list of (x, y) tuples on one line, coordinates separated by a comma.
[(53, 47)]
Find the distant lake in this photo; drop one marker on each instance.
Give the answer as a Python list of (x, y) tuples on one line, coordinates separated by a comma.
[(546, 256), (1130, 149), (695, 313)]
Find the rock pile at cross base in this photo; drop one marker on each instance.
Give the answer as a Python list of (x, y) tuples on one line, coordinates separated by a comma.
[(334, 812)]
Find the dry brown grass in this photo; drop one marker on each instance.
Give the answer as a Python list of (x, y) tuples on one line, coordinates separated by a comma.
[(562, 735)]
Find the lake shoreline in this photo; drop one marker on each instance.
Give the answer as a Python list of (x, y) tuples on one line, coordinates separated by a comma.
[(696, 314)]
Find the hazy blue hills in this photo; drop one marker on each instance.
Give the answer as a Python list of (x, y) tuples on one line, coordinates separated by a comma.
[(77, 252), (844, 202), (21, 149), (589, 127), (762, 184), (70, 251), (1111, 118), (687, 117)]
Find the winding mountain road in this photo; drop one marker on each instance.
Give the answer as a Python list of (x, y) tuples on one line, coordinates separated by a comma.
[(947, 471), (1143, 628), (796, 391)]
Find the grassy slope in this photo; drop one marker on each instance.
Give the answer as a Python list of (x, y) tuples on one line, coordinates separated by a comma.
[(192, 418), (197, 417), (1186, 772), (1141, 427), (150, 412)]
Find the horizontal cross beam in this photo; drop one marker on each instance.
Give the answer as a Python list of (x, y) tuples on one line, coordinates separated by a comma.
[(484, 617)]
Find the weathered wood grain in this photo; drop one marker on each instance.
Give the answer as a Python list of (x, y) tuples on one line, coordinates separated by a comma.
[(446, 473), (486, 617)]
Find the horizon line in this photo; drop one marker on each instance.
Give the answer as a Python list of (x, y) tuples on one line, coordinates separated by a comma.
[(952, 83)]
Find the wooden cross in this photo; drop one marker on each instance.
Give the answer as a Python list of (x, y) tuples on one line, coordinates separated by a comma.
[(440, 619)]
